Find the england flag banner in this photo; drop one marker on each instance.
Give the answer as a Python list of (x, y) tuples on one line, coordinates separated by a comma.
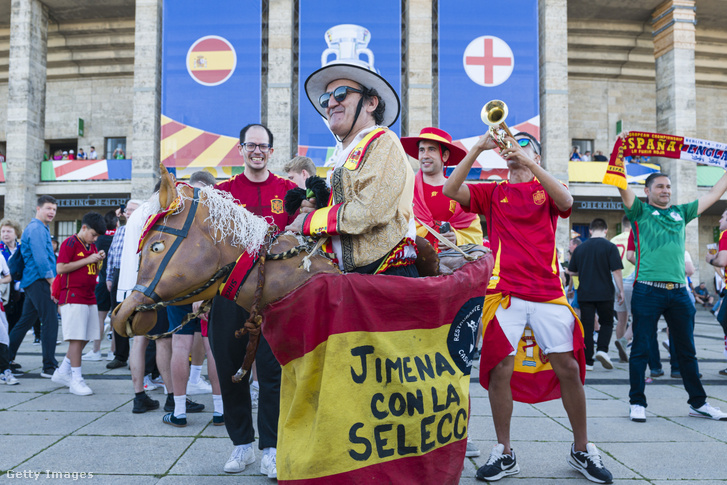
[(488, 53)]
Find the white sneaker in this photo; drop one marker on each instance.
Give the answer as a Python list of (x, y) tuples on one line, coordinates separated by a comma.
[(472, 449), (268, 466), (199, 387), (604, 359), (241, 457), (79, 387), (92, 356), (148, 384), (60, 378), (110, 356), (706, 411), (637, 413), (8, 378), (589, 367)]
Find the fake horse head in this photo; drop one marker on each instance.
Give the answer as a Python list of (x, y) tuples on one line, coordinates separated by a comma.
[(190, 246), (180, 255)]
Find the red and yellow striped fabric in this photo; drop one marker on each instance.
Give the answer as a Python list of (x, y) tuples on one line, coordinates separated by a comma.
[(375, 376)]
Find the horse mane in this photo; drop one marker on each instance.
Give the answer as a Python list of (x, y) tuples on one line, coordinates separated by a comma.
[(227, 219)]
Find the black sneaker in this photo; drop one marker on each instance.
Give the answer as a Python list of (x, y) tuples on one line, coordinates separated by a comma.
[(144, 404), (115, 364), (174, 421), (192, 407), (498, 465), (589, 464), (14, 366)]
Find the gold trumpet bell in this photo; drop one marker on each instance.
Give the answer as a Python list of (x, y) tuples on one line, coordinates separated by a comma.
[(493, 114)]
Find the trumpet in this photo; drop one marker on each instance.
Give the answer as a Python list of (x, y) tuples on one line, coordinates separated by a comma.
[(493, 114)]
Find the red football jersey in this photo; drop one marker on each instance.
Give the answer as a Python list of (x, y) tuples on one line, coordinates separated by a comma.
[(78, 286), (521, 223), (261, 198)]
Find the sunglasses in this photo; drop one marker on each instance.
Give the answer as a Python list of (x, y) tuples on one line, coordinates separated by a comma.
[(523, 142), (339, 94)]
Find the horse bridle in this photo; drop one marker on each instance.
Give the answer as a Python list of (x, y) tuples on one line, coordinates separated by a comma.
[(180, 235)]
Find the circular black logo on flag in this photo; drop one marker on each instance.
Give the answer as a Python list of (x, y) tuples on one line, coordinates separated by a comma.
[(463, 333)]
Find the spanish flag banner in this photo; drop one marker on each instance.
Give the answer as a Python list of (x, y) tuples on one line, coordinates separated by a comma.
[(375, 376), (660, 145)]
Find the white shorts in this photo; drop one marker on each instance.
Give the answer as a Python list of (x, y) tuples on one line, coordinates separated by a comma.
[(80, 322), (552, 324)]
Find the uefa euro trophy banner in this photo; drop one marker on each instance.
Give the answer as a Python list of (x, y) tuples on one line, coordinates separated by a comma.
[(348, 42), (637, 143)]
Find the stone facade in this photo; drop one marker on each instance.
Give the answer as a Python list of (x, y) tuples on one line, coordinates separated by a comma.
[(595, 105), (105, 104)]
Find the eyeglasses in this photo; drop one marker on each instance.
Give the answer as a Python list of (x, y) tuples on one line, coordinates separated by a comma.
[(339, 94), (250, 147)]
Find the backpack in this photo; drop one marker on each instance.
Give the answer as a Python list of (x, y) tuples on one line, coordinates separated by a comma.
[(16, 263)]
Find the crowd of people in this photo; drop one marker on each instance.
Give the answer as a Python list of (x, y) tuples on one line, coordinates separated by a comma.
[(379, 206)]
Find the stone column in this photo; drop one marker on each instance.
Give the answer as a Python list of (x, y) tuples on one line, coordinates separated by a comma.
[(26, 106), (280, 81), (554, 136), (145, 147), (673, 24), (419, 72)]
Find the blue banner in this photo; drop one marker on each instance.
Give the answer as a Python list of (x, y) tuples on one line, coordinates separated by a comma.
[(211, 68), (488, 51), (382, 19)]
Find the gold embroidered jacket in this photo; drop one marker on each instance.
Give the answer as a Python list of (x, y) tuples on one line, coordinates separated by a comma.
[(372, 200)]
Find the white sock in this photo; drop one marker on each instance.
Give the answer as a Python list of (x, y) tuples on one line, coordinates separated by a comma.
[(194, 372), (268, 451), (217, 401), (76, 373), (65, 367), (180, 405), (255, 385)]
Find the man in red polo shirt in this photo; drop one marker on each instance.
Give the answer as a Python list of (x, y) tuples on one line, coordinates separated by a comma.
[(522, 214), (262, 193), (434, 150)]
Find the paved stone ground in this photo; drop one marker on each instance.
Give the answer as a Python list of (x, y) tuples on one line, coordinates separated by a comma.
[(44, 427)]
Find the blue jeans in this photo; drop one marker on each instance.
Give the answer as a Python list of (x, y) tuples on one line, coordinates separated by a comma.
[(678, 312)]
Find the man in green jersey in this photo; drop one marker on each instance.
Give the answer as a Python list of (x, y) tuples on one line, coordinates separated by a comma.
[(660, 287)]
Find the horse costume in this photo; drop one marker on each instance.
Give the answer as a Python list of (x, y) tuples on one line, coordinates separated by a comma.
[(375, 368)]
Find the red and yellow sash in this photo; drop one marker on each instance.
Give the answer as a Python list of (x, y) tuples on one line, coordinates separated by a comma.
[(323, 222)]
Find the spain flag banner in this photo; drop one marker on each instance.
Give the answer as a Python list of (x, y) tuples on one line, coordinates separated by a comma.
[(375, 376)]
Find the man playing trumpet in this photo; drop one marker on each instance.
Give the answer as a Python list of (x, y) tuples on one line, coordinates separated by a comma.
[(522, 214)]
